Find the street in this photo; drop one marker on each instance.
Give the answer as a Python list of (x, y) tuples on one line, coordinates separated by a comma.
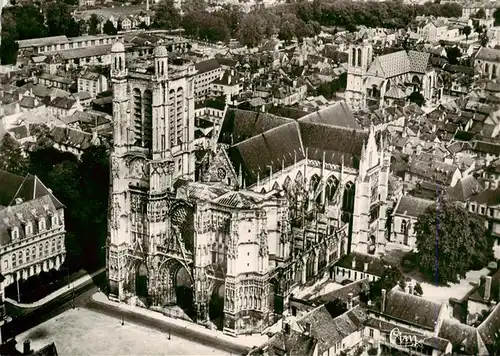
[(81, 297)]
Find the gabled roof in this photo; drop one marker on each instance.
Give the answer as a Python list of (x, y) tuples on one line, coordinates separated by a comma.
[(412, 206), (488, 54), (401, 62), (27, 188), (343, 293), (412, 309), (207, 66), (465, 188), (327, 330), (291, 344), (239, 125), (337, 114), (490, 197), (463, 337), (63, 103)]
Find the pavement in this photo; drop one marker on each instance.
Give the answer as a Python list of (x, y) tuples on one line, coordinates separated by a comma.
[(141, 316), (56, 294)]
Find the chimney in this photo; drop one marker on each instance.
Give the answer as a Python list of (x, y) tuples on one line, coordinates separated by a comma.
[(354, 263), (286, 328), (365, 267), (349, 301), (487, 288), (382, 309), (308, 329), (26, 347), (410, 288), (265, 351)]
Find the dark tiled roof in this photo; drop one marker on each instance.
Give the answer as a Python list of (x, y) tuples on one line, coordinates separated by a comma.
[(465, 188), (288, 112), (27, 102), (292, 344), (329, 331), (338, 114), (49, 350), (240, 125), (486, 147), (488, 54), (207, 66), (489, 327), (336, 142), (412, 309), (237, 200), (71, 137), (463, 337), (376, 266), (19, 132), (412, 206), (277, 147), (62, 103), (343, 293), (30, 187), (478, 293)]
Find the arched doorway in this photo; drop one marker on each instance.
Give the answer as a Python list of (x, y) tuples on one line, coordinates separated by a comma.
[(184, 290), (141, 281), (216, 306)]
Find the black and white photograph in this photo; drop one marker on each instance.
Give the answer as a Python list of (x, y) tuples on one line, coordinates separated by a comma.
[(249, 178)]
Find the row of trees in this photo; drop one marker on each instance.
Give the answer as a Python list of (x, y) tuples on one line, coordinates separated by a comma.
[(80, 184), (302, 19)]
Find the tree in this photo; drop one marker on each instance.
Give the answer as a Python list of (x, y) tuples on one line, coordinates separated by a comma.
[(109, 29), (166, 16), (93, 25), (496, 16), (11, 156), (453, 53), (417, 98), (389, 279), (8, 49), (60, 21), (82, 26), (451, 241), (467, 30), (252, 30), (480, 14)]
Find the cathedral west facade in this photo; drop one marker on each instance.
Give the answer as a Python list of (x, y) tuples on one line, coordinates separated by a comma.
[(277, 201)]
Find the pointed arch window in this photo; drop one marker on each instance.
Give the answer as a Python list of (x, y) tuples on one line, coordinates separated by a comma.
[(353, 55), (359, 57)]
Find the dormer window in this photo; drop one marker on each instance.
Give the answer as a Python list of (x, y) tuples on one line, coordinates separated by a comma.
[(54, 221), (15, 233), (29, 229), (41, 224)]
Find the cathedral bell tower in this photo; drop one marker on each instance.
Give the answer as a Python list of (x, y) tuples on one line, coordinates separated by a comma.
[(119, 236), (360, 59)]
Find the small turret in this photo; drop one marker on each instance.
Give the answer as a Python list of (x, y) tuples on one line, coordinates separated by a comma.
[(161, 62), (118, 65)]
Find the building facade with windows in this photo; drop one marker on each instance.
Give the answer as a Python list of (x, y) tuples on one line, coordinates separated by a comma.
[(31, 227)]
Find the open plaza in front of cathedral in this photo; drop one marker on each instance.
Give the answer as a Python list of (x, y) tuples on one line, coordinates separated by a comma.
[(84, 332)]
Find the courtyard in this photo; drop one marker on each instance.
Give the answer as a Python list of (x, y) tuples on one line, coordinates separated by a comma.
[(79, 332)]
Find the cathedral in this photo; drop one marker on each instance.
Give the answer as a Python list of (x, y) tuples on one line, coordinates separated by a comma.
[(272, 205)]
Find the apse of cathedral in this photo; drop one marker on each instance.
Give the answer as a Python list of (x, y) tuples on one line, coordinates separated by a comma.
[(275, 203)]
